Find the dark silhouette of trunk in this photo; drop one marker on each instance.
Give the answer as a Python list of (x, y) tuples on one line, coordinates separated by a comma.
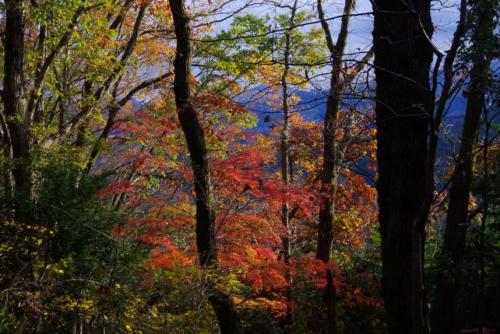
[(193, 132), (482, 309), (437, 118), (447, 90), (330, 156), (14, 105), (444, 311), (403, 54), (330, 168)]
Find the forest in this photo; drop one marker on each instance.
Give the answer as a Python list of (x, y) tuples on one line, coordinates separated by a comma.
[(249, 166)]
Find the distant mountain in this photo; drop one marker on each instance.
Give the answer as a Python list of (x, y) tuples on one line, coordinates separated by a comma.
[(313, 103), (312, 108)]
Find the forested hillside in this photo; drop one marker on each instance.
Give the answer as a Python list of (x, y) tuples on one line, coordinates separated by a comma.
[(249, 166)]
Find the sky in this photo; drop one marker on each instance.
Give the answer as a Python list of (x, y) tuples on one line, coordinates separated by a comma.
[(444, 15)]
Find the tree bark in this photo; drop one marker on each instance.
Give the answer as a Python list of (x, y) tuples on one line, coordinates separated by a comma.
[(403, 54), (14, 105), (286, 165), (284, 140), (330, 156), (444, 311), (330, 168), (193, 132)]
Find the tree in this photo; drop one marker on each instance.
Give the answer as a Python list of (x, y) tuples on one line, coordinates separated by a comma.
[(212, 169), (45, 90), (444, 310), (205, 213), (403, 55), (284, 145), (332, 157), (18, 126), (60, 61)]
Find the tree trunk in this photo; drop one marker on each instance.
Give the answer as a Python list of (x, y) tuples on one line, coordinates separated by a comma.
[(403, 54), (330, 157), (440, 107), (330, 168), (286, 166), (193, 132), (444, 311), (284, 140), (14, 105)]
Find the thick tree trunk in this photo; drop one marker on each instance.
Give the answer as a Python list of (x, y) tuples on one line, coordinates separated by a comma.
[(444, 311), (403, 54), (193, 132), (205, 214), (14, 105)]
